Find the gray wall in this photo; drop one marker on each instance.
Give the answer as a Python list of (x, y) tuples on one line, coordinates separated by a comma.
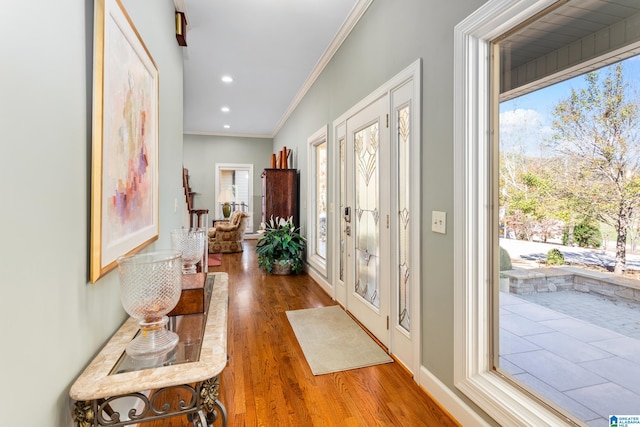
[(389, 37), (54, 320), (201, 153)]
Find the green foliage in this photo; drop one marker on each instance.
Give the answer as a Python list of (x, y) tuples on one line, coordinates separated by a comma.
[(520, 202), (280, 243), (596, 131), (589, 168), (527, 188), (555, 257), (505, 260), (586, 234)]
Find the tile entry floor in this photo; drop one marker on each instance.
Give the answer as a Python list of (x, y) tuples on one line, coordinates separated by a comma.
[(578, 350)]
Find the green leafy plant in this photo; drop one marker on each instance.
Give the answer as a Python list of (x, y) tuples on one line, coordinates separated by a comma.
[(281, 244), (555, 257), (505, 260), (586, 234)]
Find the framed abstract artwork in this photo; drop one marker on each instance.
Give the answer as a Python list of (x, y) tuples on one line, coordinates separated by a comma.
[(124, 175)]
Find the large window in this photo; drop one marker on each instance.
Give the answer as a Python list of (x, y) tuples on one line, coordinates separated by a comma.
[(523, 362), (569, 155)]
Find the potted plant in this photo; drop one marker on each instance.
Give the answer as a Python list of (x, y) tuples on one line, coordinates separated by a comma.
[(280, 247)]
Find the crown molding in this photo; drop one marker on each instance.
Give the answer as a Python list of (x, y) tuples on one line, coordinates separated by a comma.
[(235, 135), (354, 16)]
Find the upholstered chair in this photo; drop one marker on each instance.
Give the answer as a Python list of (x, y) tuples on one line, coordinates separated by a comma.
[(227, 237)]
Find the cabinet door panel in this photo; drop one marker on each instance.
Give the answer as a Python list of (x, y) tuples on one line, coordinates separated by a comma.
[(280, 194)]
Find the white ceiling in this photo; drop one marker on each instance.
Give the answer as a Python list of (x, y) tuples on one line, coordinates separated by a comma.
[(274, 49), (270, 48)]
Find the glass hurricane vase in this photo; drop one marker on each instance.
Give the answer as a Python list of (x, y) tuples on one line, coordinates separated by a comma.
[(150, 287), (191, 244)]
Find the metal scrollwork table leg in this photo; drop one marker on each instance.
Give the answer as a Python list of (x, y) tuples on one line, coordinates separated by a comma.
[(203, 413), (209, 391)]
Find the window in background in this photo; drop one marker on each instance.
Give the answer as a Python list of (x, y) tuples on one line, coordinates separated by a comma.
[(235, 180), (317, 201), (321, 199)]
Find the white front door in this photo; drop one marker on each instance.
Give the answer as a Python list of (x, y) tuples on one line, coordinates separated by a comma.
[(378, 194), (367, 239)]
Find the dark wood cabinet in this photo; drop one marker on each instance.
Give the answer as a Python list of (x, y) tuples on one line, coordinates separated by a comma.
[(280, 194)]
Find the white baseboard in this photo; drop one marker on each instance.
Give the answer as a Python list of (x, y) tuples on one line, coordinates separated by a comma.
[(324, 284), (449, 400)]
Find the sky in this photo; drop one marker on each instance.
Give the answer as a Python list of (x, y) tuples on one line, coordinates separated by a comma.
[(526, 121)]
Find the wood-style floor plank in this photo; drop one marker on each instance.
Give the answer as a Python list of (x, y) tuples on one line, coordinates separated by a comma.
[(268, 381)]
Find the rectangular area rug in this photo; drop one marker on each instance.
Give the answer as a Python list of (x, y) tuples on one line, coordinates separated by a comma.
[(215, 260), (332, 341)]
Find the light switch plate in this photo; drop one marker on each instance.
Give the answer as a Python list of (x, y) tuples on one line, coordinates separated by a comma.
[(439, 222)]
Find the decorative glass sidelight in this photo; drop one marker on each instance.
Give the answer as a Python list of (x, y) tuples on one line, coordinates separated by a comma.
[(404, 230), (367, 234), (343, 198)]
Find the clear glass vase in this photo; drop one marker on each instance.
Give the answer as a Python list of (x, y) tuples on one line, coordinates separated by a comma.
[(191, 244), (150, 287)]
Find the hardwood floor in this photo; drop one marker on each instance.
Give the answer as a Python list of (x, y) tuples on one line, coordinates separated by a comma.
[(268, 382)]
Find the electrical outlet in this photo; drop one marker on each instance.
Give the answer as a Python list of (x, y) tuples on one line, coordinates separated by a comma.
[(439, 222)]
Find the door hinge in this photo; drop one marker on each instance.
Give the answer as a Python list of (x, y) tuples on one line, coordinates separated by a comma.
[(387, 221), (387, 323), (387, 120)]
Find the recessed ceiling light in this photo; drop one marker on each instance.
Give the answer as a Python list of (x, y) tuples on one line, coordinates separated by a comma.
[(227, 79), (227, 126), (225, 109)]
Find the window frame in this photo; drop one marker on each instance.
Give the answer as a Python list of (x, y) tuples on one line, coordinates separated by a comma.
[(313, 258), (474, 247)]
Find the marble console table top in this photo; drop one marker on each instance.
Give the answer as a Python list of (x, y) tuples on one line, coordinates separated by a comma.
[(96, 383)]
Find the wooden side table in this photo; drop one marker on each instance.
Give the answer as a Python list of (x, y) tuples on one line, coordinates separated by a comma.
[(183, 382), (219, 221)]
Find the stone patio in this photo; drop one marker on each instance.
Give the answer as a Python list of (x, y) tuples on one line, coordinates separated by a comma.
[(590, 370)]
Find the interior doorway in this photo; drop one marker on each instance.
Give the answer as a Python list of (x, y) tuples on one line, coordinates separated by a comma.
[(234, 185)]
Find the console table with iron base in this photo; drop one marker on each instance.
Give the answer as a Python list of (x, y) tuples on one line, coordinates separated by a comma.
[(183, 382)]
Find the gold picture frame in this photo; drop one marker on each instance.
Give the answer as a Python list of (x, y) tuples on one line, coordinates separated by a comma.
[(124, 169)]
